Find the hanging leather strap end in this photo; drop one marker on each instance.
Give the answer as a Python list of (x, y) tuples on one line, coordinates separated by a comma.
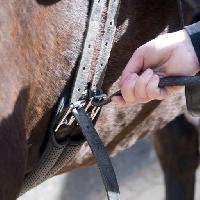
[(192, 94)]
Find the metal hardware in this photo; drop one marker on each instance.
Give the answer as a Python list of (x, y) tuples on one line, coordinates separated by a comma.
[(98, 98)]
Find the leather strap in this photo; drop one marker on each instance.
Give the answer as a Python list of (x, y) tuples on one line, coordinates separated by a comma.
[(106, 44), (192, 94), (102, 158), (181, 14), (55, 154), (81, 93), (85, 64)]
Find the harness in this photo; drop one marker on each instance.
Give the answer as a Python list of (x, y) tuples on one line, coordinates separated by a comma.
[(82, 108), (78, 110)]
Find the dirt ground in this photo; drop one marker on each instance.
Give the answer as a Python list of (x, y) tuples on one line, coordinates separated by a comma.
[(138, 173)]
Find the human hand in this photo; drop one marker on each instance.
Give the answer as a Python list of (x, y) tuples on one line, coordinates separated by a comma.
[(171, 54)]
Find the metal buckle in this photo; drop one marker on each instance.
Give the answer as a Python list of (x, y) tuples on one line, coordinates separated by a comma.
[(61, 133), (64, 126), (98, 98), (65, 129)]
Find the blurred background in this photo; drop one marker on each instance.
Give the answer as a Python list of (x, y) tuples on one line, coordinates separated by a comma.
[(137, 169)]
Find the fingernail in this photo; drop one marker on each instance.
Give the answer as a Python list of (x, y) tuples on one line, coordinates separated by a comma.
[(116, 100), (148, 71), (134, 76), (130, 77), (155, 77)]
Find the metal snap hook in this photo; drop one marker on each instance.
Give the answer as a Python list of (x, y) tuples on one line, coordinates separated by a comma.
[(98, 98)]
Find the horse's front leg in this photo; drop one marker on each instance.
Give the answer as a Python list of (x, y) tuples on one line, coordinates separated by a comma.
[(177, 148)]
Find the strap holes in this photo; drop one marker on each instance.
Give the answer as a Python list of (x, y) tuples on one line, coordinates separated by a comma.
[(79, 89), (106, 44), (99, 1), (83, 68), (89, 46), (102, 64), (111, 23)]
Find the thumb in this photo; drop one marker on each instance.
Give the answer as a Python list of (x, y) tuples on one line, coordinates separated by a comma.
[(135, 64), (150, 55)]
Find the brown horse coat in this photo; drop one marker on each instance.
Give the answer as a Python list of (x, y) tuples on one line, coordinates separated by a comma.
[(40, 42)]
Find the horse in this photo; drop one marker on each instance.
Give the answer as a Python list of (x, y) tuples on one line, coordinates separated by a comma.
[(41, 41)]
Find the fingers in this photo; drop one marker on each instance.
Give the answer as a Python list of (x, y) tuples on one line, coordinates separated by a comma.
[(141, 84), (144, 57), (153, 91), (150, 55), (141, 89), (128, 89), (118, 100)]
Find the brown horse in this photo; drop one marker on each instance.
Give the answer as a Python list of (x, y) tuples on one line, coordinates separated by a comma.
[(41, 41)]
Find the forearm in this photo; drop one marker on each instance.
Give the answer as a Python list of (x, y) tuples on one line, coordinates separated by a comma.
[(194, 33)]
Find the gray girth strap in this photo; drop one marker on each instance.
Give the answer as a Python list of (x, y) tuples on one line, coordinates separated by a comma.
[(65, 136), (106, 45)]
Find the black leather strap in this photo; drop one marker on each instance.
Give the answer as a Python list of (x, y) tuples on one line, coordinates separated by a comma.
[(192, 94), (102, 158)]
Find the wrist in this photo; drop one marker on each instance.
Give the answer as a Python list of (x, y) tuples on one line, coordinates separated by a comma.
[(193, 32), (190, 48)]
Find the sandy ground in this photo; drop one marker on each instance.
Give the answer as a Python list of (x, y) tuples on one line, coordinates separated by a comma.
[(138, 173)]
